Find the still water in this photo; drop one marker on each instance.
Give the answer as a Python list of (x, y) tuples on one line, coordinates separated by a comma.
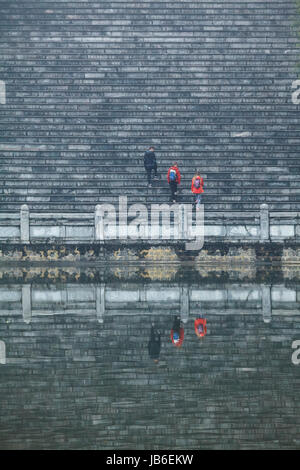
[(75, 370)]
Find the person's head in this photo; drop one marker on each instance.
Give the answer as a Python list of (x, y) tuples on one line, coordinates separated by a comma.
[(151, 149), (156, 361), (197, 173), (175, 164)]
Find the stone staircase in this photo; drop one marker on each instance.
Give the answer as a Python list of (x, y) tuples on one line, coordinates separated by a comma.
[(90, 85)]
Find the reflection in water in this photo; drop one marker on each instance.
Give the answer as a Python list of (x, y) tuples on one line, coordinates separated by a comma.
[(89, 363), (154, 343), (177, 332), (2, 353)]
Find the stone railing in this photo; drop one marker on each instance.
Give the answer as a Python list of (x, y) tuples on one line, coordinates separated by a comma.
[(100, 300), (28, 227)]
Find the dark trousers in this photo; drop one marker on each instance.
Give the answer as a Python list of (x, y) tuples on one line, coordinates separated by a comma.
[(176, 325), (149, 171), (154, 343), (154, 335), (173, 187)]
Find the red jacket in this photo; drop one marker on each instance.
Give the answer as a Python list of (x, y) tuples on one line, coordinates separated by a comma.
[(200, 321), (197, 190), (178, 176), (181, 336)]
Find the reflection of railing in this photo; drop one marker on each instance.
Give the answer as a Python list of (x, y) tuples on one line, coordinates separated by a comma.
[(187, 301), (2, 353), (263, 225)]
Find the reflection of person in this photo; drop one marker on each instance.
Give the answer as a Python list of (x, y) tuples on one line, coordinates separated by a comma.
[(200, 327), (177, 332), (154, 344)]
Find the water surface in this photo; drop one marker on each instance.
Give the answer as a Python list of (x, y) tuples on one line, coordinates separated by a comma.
[(76, 373)]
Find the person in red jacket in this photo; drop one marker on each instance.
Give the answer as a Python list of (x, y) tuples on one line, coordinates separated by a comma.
[(200, 327), (177, 333), (173, 178), (197, 188)]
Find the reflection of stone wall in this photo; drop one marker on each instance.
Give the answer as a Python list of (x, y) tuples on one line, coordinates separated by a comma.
[(144, 273), (72, 383), (2, 353)]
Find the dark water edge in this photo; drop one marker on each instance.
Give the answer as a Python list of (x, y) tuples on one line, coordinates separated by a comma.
[(77, 372)]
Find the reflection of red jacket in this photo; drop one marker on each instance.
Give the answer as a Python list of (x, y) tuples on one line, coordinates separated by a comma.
[(178, 176), (197, 190), (181, 336), (200, 321)]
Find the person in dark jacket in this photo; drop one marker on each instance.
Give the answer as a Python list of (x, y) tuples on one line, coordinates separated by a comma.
[(150, 164), (154, 344)]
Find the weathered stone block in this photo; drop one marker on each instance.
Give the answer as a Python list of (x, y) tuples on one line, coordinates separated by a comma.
[(214, 230), (282, 231), (206, 295), (80, 233), (81, 294), (9, 232), (281, 294), (44, 296), (162, 295), (242, 231), (121, 295), (10, 295), (46, 232)]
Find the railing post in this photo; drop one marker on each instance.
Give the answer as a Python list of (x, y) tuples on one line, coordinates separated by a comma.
[(266, 303), (264, 222), (100, 302), (184, 304), (26, 303), (2, 353), (24, 224), (99, 226)]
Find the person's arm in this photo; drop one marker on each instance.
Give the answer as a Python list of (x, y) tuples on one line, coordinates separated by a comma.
[(178, 176), (168, 175)]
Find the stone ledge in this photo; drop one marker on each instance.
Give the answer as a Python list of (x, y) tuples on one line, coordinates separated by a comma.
[(213, 252)]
